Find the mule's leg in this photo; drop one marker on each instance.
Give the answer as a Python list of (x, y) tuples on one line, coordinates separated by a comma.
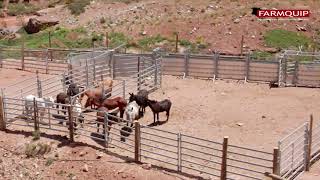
[(154, 118), (121, 113), (98, 126), (168, 114), (158, 117), (57, 107)]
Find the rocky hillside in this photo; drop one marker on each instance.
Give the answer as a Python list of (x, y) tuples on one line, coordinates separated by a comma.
[(202, 25)]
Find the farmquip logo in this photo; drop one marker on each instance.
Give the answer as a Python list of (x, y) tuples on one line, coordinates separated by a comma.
[(281, 14)]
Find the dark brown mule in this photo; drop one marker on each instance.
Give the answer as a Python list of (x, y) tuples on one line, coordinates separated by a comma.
[(158, 107)]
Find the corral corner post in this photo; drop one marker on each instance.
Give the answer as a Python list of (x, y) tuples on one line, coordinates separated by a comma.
[(35, 114), (223, 175), (309, 147), (71, 128), (22, 55), (139, 80), (39, 89), (137, 140), (248, 58), (2, 120), (275, 162)]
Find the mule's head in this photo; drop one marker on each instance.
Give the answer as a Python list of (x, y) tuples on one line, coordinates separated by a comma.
[(73, 90), (132, 97)]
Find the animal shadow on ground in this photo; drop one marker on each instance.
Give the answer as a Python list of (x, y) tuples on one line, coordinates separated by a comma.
[(157, 123), (99, 139)]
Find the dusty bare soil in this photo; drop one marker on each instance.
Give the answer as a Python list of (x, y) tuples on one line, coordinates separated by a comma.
[(250, 114), (314, 173), (66, 161)]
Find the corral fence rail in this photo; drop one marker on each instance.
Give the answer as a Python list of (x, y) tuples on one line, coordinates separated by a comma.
[(299, 150), (183, 153)]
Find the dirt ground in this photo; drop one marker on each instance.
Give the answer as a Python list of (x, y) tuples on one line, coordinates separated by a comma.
[(66, 161), (250, 114), (313, 174)]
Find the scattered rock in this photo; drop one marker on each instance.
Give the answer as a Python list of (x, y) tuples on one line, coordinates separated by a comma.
[(146, 166), (263, 117), (236, 21), (203, 11), (143, 33), (99, 155), (74, 177), (82, 153), (85, 168), (35, 25), (240, 124), (253, 36), (301, 28), (124, 176)]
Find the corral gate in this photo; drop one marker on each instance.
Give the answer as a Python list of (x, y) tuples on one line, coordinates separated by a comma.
[(299, 69)]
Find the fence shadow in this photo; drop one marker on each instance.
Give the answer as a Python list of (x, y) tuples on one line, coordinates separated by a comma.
[(64, 142)]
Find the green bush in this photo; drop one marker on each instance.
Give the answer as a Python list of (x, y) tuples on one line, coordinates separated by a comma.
[(77, 6), (60, 35), (118, 38), (284, 39), (15, 9), (147, 42)]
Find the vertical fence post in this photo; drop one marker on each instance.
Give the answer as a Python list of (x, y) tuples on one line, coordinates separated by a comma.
[(179, 152), (113, 66), (39, 88), (223, 174), (94, 69), (2, 119), (107, 40), (87, 74), (247, 68), (35, 115), (22, 55), (177, 41), (275, 162), (124, 88), (1, 59), (156, 73), (241, 45), (295, 75), (186, 64), (106, 130), (47, 63), (71, 128), (216, 63), (137, 140), (139, 80), (280, 75), (309, 150), (50, 45)]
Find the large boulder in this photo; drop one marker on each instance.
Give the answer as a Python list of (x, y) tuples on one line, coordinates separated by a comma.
[(36, 25)]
